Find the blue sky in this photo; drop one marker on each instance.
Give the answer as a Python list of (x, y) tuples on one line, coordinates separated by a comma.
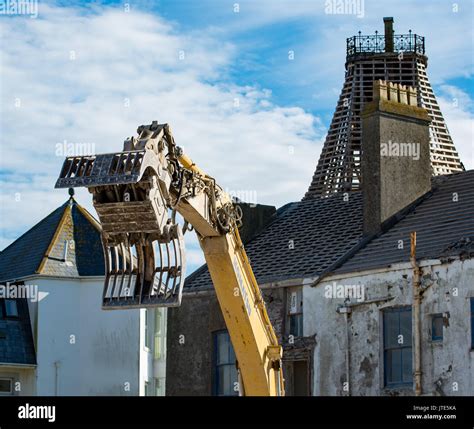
[(90, 73)]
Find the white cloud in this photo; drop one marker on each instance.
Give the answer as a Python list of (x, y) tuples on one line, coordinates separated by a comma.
[(320, 51), (69, 76), (457, 108), (121, 57)]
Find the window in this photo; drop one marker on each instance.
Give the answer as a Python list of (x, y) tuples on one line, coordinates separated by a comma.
[(295, 312), (11, 308), (472, 323), (397, 347), (6, 386), (159, 387), (147, 329), (437, 327), (225, 373), (159, 339)]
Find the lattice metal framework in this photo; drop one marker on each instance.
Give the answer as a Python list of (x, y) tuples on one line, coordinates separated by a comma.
[(398, 59)]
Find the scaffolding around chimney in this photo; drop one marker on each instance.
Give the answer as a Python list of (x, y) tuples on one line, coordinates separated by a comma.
[(399, 59)]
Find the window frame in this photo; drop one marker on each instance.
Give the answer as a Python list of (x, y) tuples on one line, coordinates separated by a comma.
[(396, 384), (10, 379), (437, 338), (216, 366), (146, 333), (298, 314), (4, 312), (159, 338)]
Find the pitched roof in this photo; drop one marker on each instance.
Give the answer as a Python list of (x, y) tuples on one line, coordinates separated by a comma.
[(303, 240), (23, 257), (41, 250), (16, 339), (327, 235), (443, 221)]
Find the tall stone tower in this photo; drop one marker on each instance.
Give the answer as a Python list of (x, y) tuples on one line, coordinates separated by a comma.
[(395, 58)]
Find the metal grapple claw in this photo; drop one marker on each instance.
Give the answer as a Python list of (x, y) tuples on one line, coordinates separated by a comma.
[(143, 246), (148, 273)]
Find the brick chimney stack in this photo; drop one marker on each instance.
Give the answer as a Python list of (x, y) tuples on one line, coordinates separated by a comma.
[(388, 23), (396, 156)]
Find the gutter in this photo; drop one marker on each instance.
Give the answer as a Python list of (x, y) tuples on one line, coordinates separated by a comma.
[(303, 281), (19, 365), (346, 311), (38, 276)]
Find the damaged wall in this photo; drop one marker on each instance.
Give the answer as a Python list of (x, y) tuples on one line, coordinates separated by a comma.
[(189, 369), (447, 366)]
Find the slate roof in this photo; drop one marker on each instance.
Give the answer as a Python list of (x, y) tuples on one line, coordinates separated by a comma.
[(16, 339), (327, 235), (319, 230), (40, 250), (24, 255), (444, 227)]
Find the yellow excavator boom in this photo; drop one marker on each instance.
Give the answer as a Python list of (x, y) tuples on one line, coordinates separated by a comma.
[(137, 193)]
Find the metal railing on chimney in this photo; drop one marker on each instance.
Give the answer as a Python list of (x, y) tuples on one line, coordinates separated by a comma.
[(376, 44)]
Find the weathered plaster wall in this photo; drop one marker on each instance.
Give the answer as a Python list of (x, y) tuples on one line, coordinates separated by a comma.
[(448, 368)]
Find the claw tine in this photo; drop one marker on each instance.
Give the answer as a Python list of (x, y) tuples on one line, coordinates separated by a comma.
[(176, 267), (169, 267), (107, 257), (141, 269), (115, 259), (123, 269), (130, 273), (160, 268)]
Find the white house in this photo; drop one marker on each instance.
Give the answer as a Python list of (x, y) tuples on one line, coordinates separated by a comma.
[(54, 337)]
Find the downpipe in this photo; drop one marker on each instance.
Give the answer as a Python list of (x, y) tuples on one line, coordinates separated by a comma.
[(416, 314)]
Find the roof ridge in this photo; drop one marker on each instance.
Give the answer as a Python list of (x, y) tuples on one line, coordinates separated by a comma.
[(54, 238), (90, 218)]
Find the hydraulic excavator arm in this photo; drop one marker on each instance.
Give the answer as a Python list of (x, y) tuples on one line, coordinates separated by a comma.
[(137, 193)]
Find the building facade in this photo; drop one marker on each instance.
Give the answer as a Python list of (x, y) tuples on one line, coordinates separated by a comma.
[(370, 351), (337, 278)]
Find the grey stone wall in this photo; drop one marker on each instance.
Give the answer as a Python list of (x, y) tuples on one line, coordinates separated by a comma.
[(189, 340), (189, 345)]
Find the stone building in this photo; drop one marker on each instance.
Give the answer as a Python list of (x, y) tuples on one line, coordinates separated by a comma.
[(399, 326)]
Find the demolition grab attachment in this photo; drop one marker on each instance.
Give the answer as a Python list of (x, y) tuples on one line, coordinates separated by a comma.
[(135, 193)]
